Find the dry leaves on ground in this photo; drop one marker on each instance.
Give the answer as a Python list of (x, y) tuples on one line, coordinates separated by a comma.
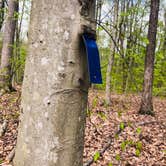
[(140, 142)]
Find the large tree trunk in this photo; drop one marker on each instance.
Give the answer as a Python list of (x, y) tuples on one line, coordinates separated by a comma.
[(55, 88), (7, 48), (146, 102)]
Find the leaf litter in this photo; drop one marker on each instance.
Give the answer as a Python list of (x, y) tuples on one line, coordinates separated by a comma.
[(114, 135)]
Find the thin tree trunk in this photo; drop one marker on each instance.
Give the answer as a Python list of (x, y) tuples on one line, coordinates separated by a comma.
[(146, 101), (7, 48), (16, 70), (2, 5), (98, 18), (55, 87), (164, 43), (111, 57), (108, 76), (127, 88)]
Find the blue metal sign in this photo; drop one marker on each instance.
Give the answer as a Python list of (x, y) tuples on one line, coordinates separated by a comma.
[(93, 59)]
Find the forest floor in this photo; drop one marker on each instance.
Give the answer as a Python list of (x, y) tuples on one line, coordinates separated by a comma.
[(115, 135)]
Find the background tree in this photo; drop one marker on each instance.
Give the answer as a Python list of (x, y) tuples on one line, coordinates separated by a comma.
[(146, 102), (114, 33), (55, 85), (130, 47), (20, 45), (7, 47), (2, 11)]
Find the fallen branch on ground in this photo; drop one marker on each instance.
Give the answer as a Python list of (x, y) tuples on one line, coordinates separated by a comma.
[(10, 156), (3, 128)]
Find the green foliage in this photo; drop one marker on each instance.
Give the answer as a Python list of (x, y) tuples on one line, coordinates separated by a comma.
[(119, 114), (94, 102), (16, 15), (116, 136), (137, 152), (139, 145), (117, 157), (138, 130), (129, 124), (18, 62), (135, 75), (89, 112), (110, 164), (128, 68), (123, 145), (102, 115), (1, 161), (129, 142), (122, 126), (159, 85), (96, 156), (164, 151)]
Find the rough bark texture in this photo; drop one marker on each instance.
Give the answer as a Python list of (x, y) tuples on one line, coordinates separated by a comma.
[(146, 102), (55, 88), (7, 47)]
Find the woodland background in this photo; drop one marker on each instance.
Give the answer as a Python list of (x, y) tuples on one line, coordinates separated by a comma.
[(115, 133)]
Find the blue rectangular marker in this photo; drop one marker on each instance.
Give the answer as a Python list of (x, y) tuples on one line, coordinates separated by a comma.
[(93, 59)]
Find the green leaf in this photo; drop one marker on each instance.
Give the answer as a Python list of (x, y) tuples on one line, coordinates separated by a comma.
[(130, 142), (94, 102), (1, 161), (138, 130), (117, 157), (129, 124), (123, 145), (122, 126), (103, 116), (164, 151), (116, 136), (99, 28), (89, 112), (137, 152), (96, 156), (110, 164), (145, 40), (119, 114), (139, 145)]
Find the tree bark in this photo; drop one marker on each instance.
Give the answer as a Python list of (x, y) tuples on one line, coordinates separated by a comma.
[(108, 76), (7, 48), (111, 56), (146, 101), (164, 43), (2, 5), (55, 87)]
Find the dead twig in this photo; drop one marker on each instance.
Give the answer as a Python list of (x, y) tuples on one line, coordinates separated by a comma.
[(10, 156), (3, 128)]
